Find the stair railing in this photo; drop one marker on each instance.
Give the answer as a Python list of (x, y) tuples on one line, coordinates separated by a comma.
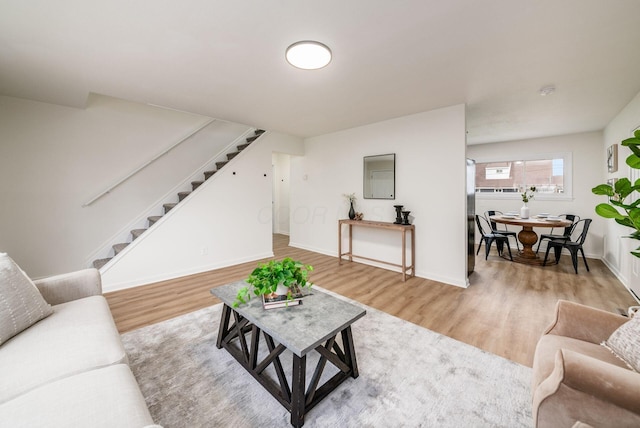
[(146, 164)]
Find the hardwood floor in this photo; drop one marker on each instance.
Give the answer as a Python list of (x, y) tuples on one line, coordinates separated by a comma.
[(503, 311)]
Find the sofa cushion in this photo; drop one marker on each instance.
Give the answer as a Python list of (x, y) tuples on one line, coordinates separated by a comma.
[(625, 343), (549, 344), (80, 335), (21, 304), (106, 397)]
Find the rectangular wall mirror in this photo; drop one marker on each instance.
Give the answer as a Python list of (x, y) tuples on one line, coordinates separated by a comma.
[(380, 177)]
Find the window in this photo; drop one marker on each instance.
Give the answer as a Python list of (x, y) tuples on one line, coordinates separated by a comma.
[(507, 179)]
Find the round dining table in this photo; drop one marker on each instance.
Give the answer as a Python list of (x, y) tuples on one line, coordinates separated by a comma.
[(527, 236)]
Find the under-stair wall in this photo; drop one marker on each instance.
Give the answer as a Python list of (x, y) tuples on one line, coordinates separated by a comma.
[(213, 132), (226, 222)]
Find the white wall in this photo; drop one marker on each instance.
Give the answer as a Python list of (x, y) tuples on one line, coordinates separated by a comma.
[(587, 164), (53, 159), (617, 248), (430, 182)]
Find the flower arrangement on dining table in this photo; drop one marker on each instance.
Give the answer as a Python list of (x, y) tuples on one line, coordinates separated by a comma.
[(528, 194)]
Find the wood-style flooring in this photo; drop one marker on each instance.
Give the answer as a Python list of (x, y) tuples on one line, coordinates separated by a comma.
[(503, 311)]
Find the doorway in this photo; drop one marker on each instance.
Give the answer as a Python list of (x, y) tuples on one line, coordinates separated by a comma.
[(281, 165)]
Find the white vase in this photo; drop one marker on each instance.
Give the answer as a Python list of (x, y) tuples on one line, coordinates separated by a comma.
[(524, 211)]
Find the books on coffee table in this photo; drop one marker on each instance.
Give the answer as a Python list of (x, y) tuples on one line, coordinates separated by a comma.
[(274, 300)]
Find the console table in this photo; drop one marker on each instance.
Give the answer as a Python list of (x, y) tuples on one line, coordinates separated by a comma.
[(402, 228)]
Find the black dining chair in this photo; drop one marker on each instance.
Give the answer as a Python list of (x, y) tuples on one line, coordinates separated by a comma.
[(580, 230), (566, 234), (501, 231), (488, 236)]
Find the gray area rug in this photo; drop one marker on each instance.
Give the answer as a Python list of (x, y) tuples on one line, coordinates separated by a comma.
[(409, 377)]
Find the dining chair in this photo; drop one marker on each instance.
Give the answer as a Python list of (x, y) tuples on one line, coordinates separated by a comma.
[(580, 230), (489, 237), (504, 230), (566, 233)]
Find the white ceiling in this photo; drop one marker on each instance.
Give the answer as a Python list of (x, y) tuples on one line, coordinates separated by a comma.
[(392, 58)]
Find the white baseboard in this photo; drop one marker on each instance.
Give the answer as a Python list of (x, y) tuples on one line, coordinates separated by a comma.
[(109, 287), (419, 274)]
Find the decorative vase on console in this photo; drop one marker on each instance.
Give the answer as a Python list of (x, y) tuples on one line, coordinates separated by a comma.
[(351, 197), (398, 214), (405, 215), (528, 194)]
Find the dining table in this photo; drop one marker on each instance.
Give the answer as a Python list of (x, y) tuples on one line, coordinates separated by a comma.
[(527, 236)]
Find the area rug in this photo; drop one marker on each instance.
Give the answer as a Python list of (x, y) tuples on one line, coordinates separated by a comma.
[(409, 377)]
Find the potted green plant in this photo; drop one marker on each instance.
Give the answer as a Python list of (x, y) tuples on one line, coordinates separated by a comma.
[(624, 212), (267, 277)]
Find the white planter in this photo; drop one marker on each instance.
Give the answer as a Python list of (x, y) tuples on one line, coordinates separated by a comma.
[(282, 290), (524, 211)]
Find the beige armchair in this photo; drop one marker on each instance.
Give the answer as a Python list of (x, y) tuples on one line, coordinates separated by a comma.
[(576, 379)]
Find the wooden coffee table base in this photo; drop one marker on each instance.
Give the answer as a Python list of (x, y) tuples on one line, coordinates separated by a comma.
[(242, 339)]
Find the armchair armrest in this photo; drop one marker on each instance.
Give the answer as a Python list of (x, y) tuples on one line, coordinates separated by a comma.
[(584, 322), (585, 376), (70, 286)]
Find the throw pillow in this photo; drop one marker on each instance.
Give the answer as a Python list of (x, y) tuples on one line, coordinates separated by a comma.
[(21, 304), (625, 343)]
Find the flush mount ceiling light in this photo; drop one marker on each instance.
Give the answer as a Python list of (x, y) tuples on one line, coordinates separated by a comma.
[(308, 55), (547, 90)]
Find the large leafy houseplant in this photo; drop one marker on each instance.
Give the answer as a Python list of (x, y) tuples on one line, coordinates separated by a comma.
[(264, 279), (622, 211)]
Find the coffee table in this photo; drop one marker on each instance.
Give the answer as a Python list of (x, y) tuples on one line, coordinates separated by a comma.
[(313, 326)]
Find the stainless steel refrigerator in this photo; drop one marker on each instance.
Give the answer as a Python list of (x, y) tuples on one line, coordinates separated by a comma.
[(471, 213)]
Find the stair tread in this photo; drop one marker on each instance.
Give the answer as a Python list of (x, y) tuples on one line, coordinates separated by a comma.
[(101, 262), (169, 206), (182, 195), (135, 233), (119, 247)]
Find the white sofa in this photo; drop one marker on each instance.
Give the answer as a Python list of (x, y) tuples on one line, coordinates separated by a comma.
[(69, 369)]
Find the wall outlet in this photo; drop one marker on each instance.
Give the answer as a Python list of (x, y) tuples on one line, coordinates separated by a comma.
[(204, 251)]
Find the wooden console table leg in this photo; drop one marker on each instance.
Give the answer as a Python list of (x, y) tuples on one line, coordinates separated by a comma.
[(339, 243), (413, 252), (404, 255), (350, 244)]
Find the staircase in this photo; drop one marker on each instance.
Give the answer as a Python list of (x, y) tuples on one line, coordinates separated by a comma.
[(136, 233)]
